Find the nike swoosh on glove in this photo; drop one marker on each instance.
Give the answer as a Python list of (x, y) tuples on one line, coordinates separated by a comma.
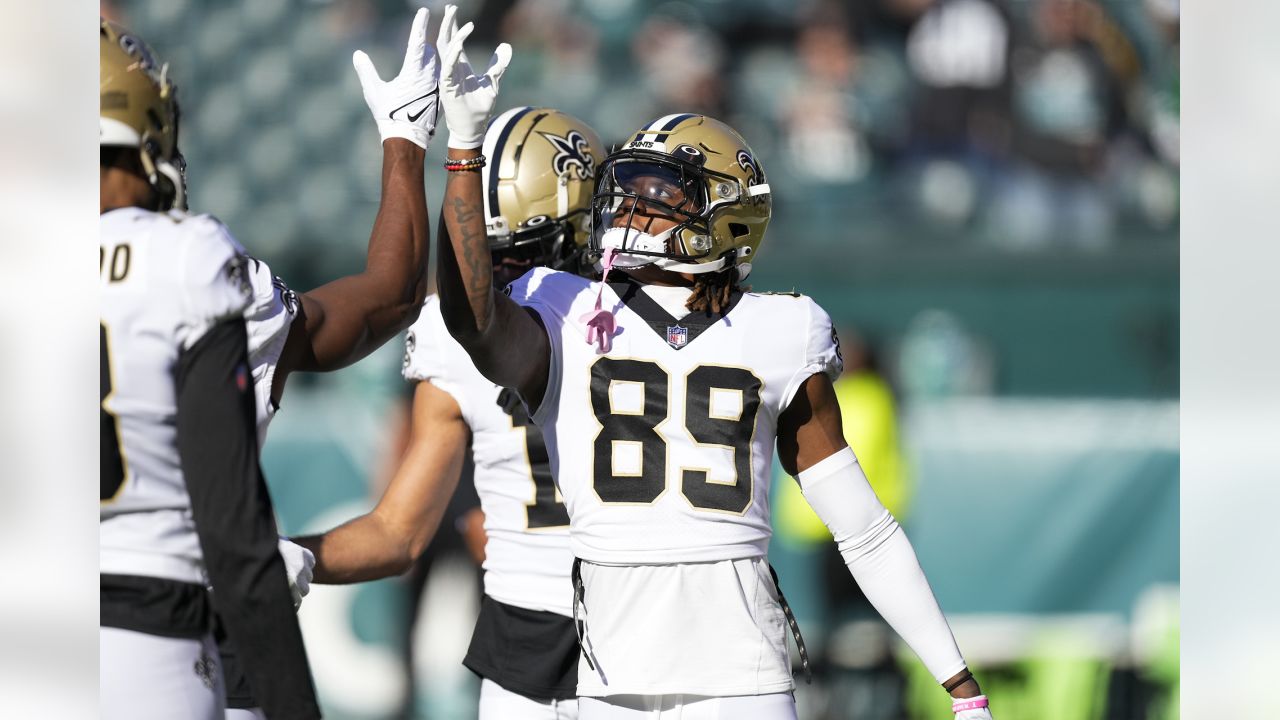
[(468, 99), (406, 106), (298, 562)]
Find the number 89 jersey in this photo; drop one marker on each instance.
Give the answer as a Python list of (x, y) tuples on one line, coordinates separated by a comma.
[(663, 447)]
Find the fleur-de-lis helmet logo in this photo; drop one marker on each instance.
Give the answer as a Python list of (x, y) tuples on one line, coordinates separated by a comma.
[(573, 155)]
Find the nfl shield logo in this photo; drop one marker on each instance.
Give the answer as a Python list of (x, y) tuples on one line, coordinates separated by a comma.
[(677, 336)]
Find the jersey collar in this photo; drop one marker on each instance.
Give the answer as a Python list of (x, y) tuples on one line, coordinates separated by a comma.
[(678, 333)]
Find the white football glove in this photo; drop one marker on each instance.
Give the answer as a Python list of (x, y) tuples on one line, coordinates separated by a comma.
[(982, 713), (468, 100), (406, 106), (298, 562)]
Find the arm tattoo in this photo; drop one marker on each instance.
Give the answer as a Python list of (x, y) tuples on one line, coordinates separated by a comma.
[(476, 260)]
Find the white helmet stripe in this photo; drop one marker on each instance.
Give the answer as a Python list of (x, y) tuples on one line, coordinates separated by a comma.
[(657, 130), (495, 139)]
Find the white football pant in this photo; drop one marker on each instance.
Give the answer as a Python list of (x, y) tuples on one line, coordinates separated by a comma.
[(498, 703), (148, 677), (773, 706)]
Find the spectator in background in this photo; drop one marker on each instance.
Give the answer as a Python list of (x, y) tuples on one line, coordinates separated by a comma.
[(1070, 77), (939, 357), (822, 139), (561, 57), (958, 52), (681, 62)]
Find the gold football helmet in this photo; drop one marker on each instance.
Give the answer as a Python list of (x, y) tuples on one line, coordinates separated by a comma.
[(139, 108), (691, 169), (537, 186)]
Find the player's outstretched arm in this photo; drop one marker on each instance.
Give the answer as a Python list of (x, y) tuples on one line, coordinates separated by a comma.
[(345, 320), (218, 449), (506, 342), (811, 447), (387, 540)]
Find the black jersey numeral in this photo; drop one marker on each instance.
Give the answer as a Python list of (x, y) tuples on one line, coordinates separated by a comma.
[(547, 509), (732, 426), (111, 471), (634, 485), (729, 424)]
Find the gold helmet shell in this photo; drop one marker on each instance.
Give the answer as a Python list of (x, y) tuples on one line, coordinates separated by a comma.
[(721, 200), (537, 184), (138, 107)]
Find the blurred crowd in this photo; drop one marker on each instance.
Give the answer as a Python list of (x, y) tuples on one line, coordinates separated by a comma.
[(1020, 123), (1007, 124)]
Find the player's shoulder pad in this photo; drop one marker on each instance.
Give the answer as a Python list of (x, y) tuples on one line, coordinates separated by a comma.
[(423, 349), (215, 273), (554, 289), (272, 296)]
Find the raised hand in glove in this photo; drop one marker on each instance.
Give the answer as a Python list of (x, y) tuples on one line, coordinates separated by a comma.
[(298, 562), (468, 99), (407, 105)]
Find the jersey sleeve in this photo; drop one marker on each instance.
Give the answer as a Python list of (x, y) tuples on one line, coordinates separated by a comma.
[(428, 356), (822, 350), (539, 290), (268, 318), (215, 281)]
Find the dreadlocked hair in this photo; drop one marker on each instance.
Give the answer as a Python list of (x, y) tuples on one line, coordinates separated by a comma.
[(712, 291)]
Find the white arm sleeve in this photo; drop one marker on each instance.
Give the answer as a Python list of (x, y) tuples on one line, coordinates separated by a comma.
[(881, 559)]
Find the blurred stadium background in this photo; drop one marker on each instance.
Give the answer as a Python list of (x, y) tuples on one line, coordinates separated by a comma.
[(983, 193)]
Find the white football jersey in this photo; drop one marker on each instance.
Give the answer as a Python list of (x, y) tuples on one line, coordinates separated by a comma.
[(663, 447), (166, 278), (527, 559), (267, 322)]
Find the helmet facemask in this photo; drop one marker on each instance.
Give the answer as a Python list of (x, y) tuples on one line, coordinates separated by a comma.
[(543, 241), (636, 188)]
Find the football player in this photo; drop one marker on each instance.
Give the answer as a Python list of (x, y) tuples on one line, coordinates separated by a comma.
[(345, 320), (524, 646), (660, 392), (183, 502)]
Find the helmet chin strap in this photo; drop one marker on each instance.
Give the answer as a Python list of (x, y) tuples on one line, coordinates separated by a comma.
[(179, 185)]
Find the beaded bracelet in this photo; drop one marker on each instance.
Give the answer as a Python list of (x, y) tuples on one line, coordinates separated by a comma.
[(474, 163)]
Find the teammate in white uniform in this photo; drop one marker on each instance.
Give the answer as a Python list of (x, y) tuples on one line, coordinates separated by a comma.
[(661, 392), (343, 321), (183, 502), (524, 645)]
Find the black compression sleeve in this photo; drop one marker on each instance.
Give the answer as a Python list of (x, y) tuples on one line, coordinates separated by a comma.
[(217, 441)]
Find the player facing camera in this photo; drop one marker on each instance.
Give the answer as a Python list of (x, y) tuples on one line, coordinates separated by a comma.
[(684, 194)]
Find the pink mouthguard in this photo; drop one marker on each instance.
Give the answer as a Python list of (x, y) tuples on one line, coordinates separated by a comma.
[(600, 323)]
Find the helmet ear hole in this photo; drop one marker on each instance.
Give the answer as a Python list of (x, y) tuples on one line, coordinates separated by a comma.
[(738, 229)]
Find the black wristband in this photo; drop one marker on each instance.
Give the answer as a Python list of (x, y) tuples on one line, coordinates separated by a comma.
[(964, 678)]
